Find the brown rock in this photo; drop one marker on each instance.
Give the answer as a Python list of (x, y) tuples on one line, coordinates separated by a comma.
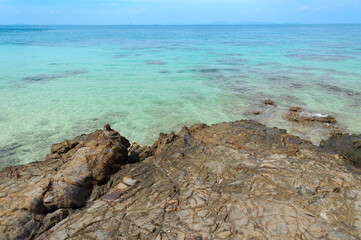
[(296, 109), (137, 152), (51, 219), (346, 145), (256, 112), (197, 127), (268, 102), (304, 118), (336, 131), (64, 180), (107, 127), (236, 180)]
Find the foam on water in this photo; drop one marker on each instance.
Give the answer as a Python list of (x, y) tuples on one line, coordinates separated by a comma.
[(57, 82)]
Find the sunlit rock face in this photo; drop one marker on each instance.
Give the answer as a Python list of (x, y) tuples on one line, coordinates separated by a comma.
[(236, 180)]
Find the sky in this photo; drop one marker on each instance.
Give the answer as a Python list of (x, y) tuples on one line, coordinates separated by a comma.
[(179, 11)]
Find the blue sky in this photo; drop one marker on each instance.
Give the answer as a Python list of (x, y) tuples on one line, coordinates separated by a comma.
[(178, 12)]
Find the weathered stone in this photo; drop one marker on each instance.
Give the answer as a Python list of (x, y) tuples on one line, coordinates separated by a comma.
[(236, 180), (137, 152), (345, 145), (299, 116), (296, 109), (51, 219), (197, 127), (64, 180), (268, 102)]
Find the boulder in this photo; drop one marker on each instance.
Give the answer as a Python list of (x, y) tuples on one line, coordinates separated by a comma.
[(64, 180)]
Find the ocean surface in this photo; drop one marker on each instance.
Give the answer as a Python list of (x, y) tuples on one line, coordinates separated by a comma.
[(57, 82)]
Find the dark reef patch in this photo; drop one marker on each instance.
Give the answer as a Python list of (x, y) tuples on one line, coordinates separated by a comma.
[(121, 55), (209, 70), (326, 71), (152, 51), (8, 154), (231, 54), (338, 90), (233, 61), (280, 78), (205, 70), (9, 149), (201, 70), (155, 62), (268, 64), (46, 77), (319, 57)]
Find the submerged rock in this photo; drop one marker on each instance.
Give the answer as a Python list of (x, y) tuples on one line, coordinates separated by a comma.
[(236, 180), (296, 109), (298, 115), (268, 102)]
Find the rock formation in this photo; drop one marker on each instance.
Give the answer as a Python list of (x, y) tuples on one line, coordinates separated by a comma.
[(37, 195), (268, 102), (346, 145), (298, 115), (236, 180)]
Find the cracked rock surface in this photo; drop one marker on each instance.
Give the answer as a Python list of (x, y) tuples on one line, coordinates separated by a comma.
[(236, 180)]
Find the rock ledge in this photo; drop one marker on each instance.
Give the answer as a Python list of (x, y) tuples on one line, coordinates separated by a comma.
[(236, 180)]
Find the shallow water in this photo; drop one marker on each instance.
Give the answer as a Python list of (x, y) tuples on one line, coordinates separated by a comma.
[(57, 82)]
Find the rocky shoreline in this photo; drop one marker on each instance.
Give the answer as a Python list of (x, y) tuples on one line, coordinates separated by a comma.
[(234, 180)]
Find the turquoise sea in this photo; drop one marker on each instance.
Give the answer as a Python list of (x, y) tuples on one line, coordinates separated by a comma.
[(57, 82)]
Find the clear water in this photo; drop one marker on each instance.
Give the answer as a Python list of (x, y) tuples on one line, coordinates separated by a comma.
[(57, 82)]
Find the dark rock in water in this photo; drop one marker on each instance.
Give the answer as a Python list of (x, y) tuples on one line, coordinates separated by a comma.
[(345, 145), (235, 180), (296, 109), (297, 115), (268, 102), (256, 112)]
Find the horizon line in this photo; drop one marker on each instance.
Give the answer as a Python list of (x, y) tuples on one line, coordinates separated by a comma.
[(195, 24)]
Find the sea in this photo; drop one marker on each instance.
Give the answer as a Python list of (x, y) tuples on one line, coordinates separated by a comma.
[(57, 82)]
